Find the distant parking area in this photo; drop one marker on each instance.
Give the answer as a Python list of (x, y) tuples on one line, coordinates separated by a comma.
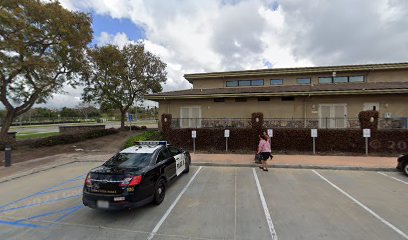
[(215, 203)]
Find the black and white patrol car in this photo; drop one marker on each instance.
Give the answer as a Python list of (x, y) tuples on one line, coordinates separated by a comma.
[(403, 163), (135, 176)]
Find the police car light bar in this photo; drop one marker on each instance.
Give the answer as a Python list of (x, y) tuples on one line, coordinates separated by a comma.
[(151, 143)]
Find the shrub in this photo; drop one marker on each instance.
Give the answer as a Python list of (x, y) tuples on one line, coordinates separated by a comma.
[(146, 136), (296, 139), (364, 118), (166, 125), (134, 128), (72, 138)]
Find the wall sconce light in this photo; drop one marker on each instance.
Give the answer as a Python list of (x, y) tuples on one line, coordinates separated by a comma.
[(165, 119), (256, 119), (371, 119), (386, 105)]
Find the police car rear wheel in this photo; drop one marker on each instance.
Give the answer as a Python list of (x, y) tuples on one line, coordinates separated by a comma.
[(405, 168), (160, 192)]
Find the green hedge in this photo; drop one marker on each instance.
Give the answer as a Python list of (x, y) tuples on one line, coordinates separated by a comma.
[(72, 138), (286, 139), (146, 136)]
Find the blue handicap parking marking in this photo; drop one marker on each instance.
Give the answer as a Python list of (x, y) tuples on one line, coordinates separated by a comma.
[(58, 193), (18, 224), (46, 191)]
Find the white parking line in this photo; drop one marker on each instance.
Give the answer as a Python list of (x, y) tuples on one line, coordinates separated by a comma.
[(265, 207), (235, 208), (166, 214), (404, 235), (399, 180)]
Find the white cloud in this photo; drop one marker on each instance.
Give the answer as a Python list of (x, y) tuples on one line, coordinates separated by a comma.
[(120, 39), (216, 35), (71, 98)]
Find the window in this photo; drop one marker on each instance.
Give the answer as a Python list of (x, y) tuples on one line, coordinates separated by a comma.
[(340, 79), (219, 99), (371, 106), (244, 83), (232, 83), (190, 117), (258, 82), (287, 98), (263, 99), (129, 160), (325, 80), (303, 80), (276, 82), (356, 79), (163, 155), (332, 115), (240, 99), (174, 151)]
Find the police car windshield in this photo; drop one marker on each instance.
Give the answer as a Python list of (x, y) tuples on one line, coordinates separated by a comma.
[(129, 160)]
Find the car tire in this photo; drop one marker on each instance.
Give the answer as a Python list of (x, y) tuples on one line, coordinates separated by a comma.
[(187, 168), (159, 192), (405, 167)]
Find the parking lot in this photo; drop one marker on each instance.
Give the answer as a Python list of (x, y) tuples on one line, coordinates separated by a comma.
[(215, 203)]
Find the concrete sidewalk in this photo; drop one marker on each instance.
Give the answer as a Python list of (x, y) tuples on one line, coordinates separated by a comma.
[(242, 160), (300, 161)]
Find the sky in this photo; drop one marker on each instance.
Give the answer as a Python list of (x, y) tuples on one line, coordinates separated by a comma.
[(193, 36)]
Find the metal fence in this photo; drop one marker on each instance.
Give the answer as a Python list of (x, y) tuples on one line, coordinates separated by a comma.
[(51, 120), (335, 123)]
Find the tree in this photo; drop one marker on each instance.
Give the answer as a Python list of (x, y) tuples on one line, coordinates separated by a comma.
[(68, 112), (116, 78), (42, 48), (87, 110)]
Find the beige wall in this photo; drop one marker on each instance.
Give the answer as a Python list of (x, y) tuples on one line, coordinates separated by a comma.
[(374, 76), (393, 103), (388, 76), (208, 83)]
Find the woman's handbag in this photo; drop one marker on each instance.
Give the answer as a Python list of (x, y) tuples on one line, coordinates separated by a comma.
[(258, 158)]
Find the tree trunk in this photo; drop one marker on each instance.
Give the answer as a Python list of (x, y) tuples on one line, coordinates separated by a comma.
[(122, 119), (8, 120)]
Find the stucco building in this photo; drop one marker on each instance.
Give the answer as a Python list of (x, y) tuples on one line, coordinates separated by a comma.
[(324, 97)]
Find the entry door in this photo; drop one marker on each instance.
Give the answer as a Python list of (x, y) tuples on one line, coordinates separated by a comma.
[(332, 115), (190, 117)]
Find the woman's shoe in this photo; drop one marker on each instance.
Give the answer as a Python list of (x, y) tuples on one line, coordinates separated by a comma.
[(265, 169)]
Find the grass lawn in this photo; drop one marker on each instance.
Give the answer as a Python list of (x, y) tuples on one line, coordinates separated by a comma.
[(34, 135)]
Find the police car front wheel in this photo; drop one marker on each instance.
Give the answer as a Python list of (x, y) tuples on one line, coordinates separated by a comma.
[(187, 168)]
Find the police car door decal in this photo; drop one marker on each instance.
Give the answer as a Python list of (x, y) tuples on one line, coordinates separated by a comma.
[(180, 163)]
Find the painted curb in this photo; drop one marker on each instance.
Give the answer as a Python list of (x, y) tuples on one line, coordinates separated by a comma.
[(290, 166)]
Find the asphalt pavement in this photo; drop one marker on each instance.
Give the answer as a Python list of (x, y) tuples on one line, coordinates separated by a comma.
[(214, 203)]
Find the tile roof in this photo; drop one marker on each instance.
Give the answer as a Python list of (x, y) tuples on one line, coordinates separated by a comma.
[(321, 89)]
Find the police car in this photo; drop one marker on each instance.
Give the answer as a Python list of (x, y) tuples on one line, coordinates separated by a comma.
[(135, 176), (403, 163)]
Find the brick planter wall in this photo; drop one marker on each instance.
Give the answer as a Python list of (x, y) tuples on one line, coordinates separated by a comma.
[(79, 129)]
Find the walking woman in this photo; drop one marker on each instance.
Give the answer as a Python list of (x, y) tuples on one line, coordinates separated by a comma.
[(264, 149)]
